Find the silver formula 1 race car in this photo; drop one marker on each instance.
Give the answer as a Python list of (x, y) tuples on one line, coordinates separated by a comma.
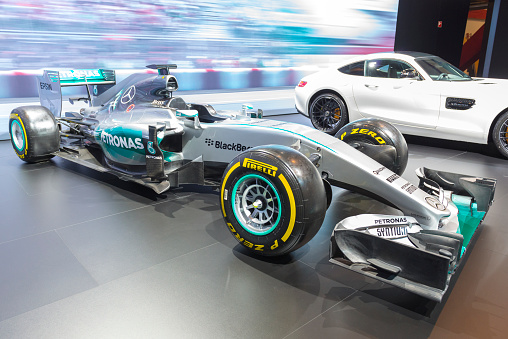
[(274, 177)]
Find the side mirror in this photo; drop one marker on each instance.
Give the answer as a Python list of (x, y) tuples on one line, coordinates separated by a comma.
[(410, 73), (187, 113)]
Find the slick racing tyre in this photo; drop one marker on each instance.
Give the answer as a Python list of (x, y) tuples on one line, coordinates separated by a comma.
[(34, 133), (500, 135), (379, 140), (328, 113), (273, 199)]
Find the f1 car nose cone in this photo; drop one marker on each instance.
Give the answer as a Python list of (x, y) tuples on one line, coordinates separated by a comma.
[(258, 204)]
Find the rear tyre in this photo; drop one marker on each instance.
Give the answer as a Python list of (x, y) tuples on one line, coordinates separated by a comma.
[(273, 199), (500, 134), (379, 140), (34, 133), (328, 113)]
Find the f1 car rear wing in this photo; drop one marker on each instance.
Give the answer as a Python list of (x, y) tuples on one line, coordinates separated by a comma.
[(51, 82)]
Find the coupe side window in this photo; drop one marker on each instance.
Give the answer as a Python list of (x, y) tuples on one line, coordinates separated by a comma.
[(386, 68), (356, 68)]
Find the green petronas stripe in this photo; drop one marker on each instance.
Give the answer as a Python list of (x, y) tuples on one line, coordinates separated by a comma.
[(121, 144), (469, 218)]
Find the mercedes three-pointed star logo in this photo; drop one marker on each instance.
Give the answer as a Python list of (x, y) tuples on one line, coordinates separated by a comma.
[(435, 203), (128, 95)]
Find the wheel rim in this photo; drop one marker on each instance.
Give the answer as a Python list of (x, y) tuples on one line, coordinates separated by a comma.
[(17, 135), (503, 135), (326, 112), (256, 204)]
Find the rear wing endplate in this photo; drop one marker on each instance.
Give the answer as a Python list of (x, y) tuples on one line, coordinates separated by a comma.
[(51, 82)]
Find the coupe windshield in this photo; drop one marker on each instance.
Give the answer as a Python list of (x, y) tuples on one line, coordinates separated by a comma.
[(440, 70)]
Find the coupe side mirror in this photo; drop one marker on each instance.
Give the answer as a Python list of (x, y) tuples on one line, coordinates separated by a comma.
[(410, 73)]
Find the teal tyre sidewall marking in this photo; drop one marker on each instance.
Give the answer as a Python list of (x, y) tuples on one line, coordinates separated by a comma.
[(14, 133), (236, 208)]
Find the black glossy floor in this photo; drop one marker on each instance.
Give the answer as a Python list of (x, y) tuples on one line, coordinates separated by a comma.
[(85, 255)]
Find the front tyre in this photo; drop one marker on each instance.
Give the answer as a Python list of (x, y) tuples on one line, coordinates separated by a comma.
[(34, 133), (378, 139), (328, 113), (500, 135), (273, 199)]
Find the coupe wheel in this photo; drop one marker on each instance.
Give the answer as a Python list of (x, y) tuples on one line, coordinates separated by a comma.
[(328, 113), (500, 134)]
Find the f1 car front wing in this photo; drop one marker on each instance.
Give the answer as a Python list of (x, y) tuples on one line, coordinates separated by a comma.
[(397, 251)]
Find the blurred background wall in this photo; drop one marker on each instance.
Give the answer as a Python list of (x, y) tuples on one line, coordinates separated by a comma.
[(215, 43)]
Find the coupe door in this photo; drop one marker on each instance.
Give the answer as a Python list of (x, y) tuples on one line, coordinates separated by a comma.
[(385, 92)]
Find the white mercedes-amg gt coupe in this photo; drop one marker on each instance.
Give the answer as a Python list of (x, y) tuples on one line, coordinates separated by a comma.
[(421, 94)]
